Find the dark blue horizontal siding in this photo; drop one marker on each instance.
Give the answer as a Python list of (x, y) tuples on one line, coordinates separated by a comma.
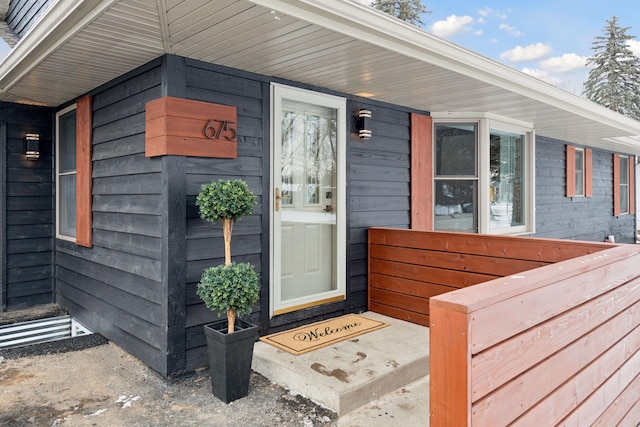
[(576, 218), (27, 210), (115, 287)]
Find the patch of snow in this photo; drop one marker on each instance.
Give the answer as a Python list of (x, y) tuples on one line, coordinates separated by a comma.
[(98, 412), (127, 401)]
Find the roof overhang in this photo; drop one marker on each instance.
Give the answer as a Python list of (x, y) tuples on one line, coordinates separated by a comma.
[(337, 44)]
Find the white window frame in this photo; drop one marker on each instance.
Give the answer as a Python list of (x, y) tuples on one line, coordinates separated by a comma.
[(58, 174), (485, 123)]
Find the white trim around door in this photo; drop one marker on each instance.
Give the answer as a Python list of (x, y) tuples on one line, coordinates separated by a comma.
[(307, 199)]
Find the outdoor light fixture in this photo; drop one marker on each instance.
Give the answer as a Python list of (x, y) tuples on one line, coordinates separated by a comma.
[(33, 146), (364, 124)]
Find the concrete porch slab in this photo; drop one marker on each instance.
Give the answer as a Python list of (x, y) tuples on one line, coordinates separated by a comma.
[(351, 373)]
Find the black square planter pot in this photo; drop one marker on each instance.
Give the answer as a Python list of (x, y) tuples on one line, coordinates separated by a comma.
[(230, 358)]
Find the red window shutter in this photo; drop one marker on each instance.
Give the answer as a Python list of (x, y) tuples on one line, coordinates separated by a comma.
[(616, 185), (588, 173), (83, 172), (421, 172), (632, 185), (571, 171)]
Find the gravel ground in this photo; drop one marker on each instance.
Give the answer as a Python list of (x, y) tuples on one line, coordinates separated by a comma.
[(90, 382)]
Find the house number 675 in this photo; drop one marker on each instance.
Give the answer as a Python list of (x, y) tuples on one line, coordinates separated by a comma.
[(216, 128)]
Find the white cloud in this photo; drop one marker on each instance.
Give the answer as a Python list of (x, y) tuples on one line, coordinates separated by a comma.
[(542, 75), (634, 45), (510, 30), (487, 11), (452, 26), (565, 63), (533, 52)]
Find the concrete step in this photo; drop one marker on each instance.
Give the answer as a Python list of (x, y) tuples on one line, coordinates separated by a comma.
[(406, 407), (352, 373)]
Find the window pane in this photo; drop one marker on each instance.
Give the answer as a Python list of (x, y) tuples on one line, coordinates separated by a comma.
[(624, 170), (579, 173), (456, 202), (506, 169), (624, 184), (456, 150), (67, 205), (67, 142)]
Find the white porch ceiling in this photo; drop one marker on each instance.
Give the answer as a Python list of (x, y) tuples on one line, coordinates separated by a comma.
[(336, 44)]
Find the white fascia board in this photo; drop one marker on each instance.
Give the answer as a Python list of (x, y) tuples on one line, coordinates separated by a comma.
[(61, 22), (478, 116), (378, 28)]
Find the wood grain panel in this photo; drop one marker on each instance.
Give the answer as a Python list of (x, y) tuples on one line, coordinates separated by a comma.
[(570, 356), (525, 390), (182, 127), (398, 313), (560, 403), (456, 279), (406, 286), (534, 249), (490, 369), (611, 400), (449, 387), (402, 301), (452, 261), (84, 131), (421, 172), (563, 291)]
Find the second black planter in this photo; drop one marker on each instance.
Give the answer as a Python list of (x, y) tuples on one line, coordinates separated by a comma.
[(230, 358)]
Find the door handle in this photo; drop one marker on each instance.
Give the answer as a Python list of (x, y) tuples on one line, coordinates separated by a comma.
[(280, 197)]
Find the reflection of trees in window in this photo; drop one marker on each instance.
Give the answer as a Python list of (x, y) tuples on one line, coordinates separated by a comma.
[(624, 184), (455, 157), (456, 150), (308, 155), (288, 156), (456, 177), (506, 168), (457, 193)]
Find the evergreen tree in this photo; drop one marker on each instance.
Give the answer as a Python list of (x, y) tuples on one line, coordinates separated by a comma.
[(614, 82), (407, 10)]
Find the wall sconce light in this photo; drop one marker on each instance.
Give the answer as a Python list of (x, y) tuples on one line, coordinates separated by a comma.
[(33, 146), (364, 124)]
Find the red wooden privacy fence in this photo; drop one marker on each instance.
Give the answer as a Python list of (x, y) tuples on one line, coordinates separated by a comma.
[(408, 267), (550, 336)]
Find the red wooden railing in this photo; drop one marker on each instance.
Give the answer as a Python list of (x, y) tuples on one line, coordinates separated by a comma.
[(408, 267), (553, 345)]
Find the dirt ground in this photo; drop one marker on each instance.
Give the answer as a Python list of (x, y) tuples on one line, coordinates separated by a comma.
[(105, 386)]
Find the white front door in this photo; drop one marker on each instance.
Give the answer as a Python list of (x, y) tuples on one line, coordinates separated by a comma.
[(308, 193)]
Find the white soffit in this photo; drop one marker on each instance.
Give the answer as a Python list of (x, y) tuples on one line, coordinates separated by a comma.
[(336, 44)]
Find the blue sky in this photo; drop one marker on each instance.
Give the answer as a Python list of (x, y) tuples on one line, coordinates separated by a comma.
[(4, 49), (547, 39)]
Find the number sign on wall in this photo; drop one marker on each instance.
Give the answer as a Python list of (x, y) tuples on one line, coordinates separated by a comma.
[(182, 127)]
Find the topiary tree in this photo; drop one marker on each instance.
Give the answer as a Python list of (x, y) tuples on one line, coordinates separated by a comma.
[(232, 287)]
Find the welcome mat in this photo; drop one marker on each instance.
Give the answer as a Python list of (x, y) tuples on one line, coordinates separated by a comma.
[(321, 334)]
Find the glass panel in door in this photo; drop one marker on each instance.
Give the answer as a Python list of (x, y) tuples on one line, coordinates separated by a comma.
[(308, 218)]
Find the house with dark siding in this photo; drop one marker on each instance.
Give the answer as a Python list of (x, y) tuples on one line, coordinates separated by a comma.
[(134, 104)]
